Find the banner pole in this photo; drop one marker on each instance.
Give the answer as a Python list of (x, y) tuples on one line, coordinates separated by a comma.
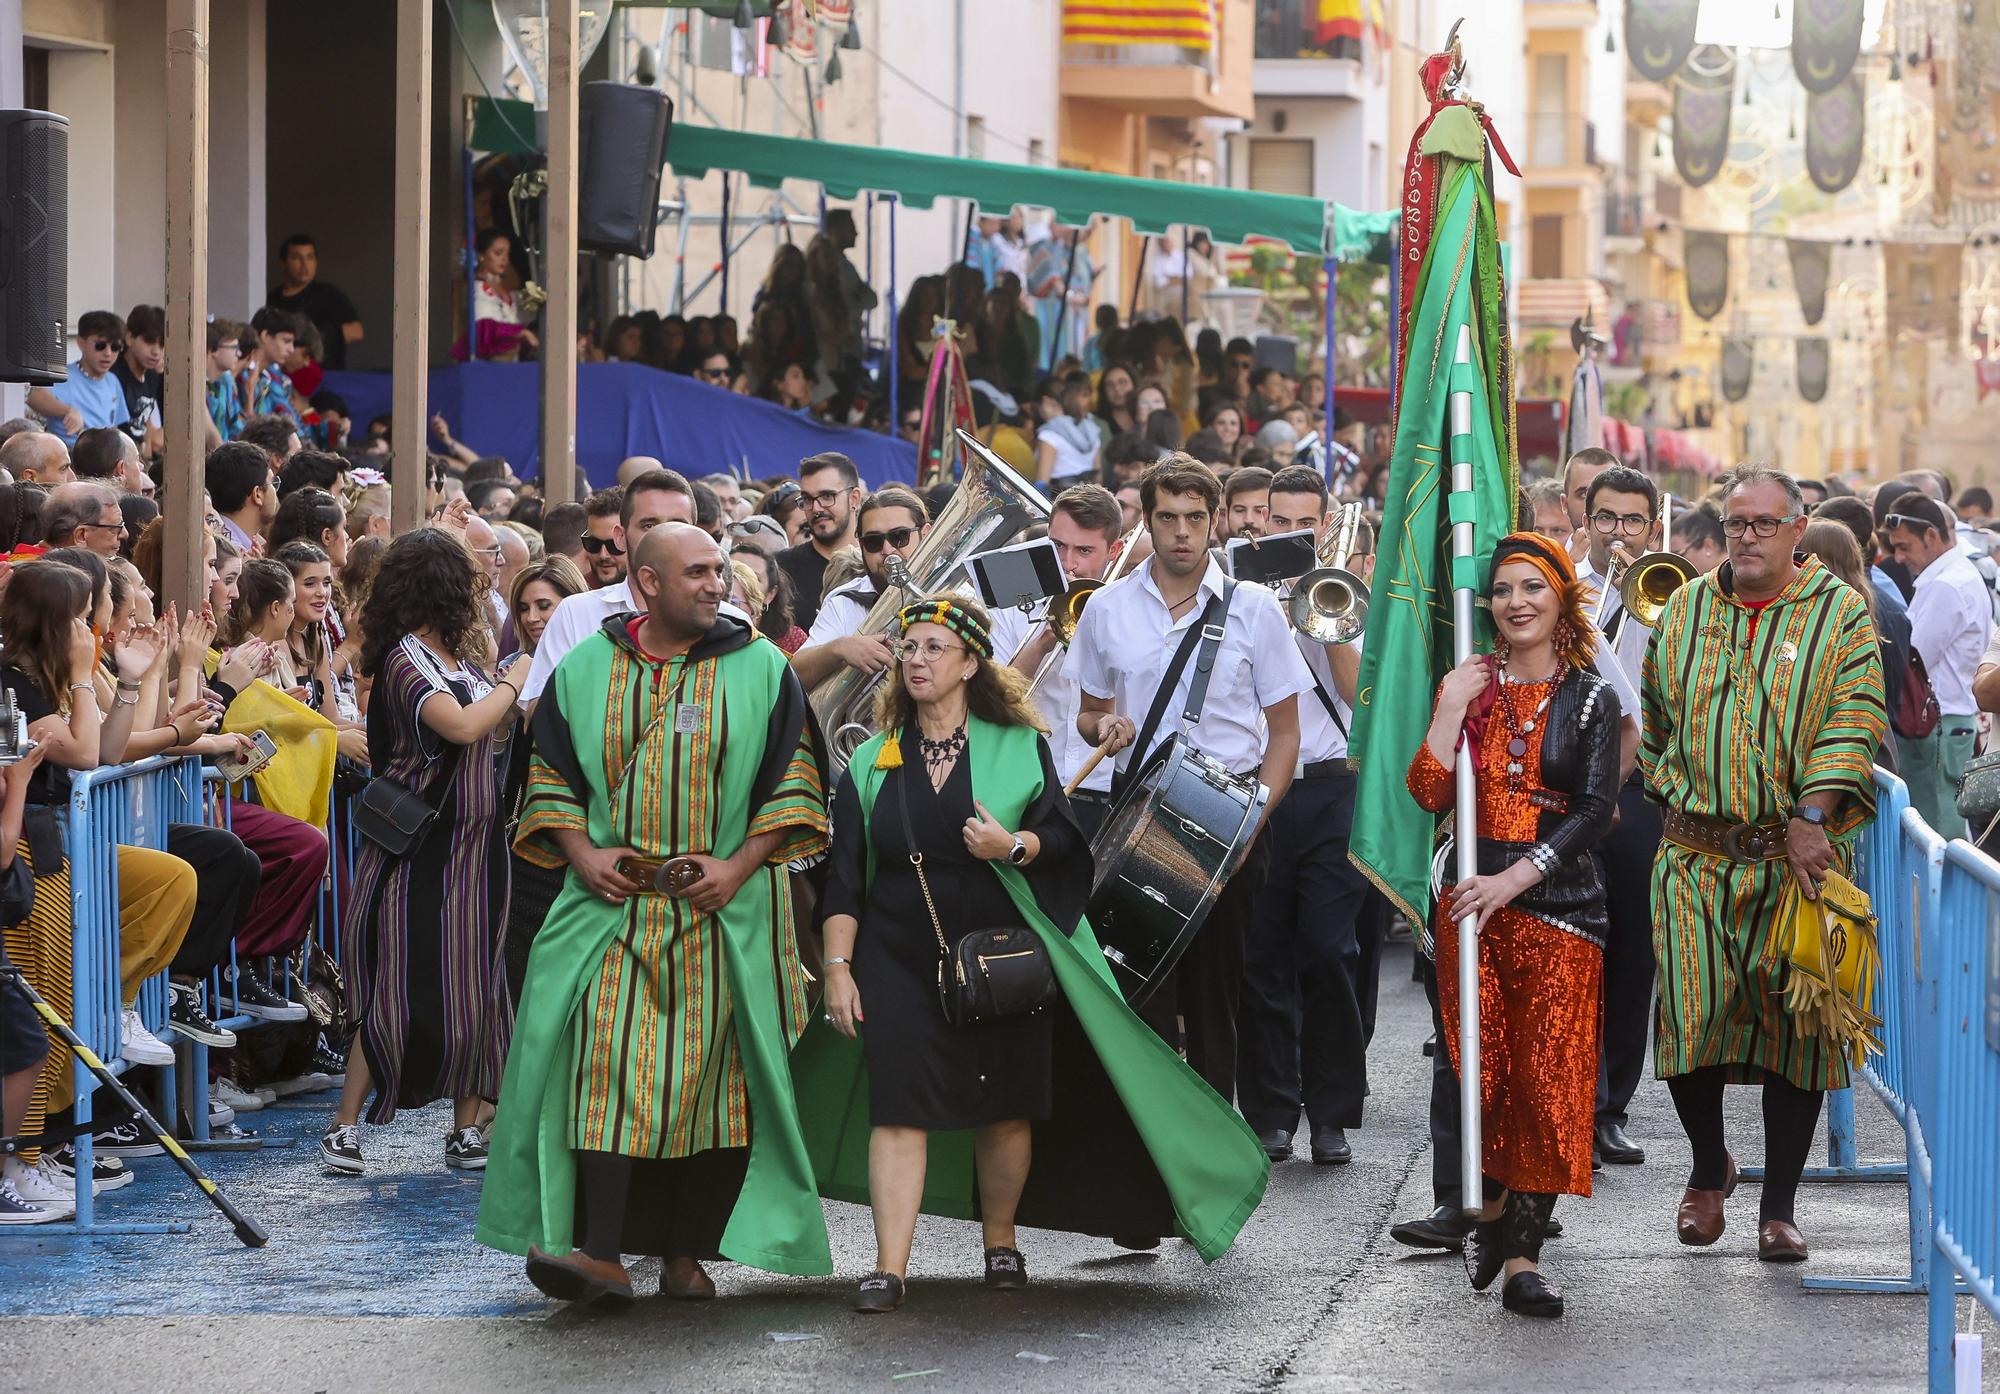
[(1466, 825)]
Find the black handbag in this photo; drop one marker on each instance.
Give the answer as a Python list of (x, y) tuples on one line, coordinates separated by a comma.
[(991, 973), (392, 817)]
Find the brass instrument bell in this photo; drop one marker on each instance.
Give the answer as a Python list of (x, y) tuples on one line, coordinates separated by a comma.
[(1329, 604), (1650, 582), (1066, 610)]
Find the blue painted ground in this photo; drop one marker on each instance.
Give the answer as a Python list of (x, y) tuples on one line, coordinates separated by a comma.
[(396, 1241)]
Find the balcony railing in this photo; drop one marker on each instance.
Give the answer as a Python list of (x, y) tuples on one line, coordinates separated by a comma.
[(1290, 29), (1560, 140), (1137, 55), (1624, 215)]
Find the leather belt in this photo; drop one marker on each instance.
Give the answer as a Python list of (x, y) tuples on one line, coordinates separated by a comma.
[(1324, 769), (1749, 843), (1090, 796), (665, 875)]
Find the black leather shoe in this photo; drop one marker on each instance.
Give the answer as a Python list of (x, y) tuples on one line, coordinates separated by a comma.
[(1430, 1045), (1444, 1228), (1330, 1147), (1527, 1294), (1554, 1228), (1616, 1148), (879, 1292), (1277, 1144), (1005, 1269), (1483, 1259)]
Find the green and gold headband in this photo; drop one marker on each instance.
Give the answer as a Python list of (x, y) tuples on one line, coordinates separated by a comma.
[(961, 622)]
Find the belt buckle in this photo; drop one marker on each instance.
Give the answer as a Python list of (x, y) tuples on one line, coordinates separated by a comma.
[(1746, 842)]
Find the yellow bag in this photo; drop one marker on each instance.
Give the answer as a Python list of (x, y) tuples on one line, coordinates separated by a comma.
[(1835, 960), (299, 778)]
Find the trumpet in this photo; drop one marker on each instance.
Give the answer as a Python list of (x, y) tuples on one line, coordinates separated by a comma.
[(1645, 583), (1329, 604), (1066, 610)]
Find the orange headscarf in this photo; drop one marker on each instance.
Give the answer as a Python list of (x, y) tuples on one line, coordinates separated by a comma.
[(1576, 635)]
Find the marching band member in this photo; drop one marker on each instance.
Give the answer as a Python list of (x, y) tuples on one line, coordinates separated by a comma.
[(892, 522), (1304, 1046), (1621, 507), (1085, 528), (1248, 720)]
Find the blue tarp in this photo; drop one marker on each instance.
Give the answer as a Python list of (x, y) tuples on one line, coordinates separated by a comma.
[(629, 409)]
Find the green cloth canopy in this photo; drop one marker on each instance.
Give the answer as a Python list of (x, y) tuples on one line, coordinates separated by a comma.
[(1310, 226)]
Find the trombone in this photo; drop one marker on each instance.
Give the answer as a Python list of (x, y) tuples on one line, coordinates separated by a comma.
[(1066, 610), (1329, 604)]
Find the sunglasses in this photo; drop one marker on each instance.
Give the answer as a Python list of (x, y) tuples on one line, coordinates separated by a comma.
[(894, 537), (1919, 526), (594, 545), (913, 423), (714, 374), (100, 345)]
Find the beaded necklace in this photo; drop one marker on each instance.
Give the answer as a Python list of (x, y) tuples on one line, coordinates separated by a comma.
[(1518, 730)]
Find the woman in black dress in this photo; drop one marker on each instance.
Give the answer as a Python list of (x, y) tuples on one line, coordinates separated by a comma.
[(924, 1074)]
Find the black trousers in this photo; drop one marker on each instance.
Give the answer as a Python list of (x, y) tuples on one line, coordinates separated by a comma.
[(1447, 1175), (227, 876), (1303, 1041), (1091, 809), (1372, 929), (1206, 986), (1628, 851)]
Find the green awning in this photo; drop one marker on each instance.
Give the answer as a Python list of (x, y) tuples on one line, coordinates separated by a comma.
[(1307, 225)]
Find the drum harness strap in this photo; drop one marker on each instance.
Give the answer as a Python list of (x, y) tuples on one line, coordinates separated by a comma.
[(1207, 631)]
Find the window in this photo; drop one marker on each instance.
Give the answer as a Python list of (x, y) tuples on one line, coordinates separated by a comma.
[(1545, 247), (35, 78), (1282, 166), (975, 137)]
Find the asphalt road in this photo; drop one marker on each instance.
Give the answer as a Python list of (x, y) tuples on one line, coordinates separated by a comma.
[(374, 1284)]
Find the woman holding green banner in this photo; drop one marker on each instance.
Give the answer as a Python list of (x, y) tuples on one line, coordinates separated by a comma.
[(1072, 1115)]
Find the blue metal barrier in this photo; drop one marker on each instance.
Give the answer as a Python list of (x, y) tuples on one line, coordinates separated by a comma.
[(1961, 1100), (113, 806)]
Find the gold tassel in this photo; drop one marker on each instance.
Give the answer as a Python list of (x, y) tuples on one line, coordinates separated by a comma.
[(890, 756)]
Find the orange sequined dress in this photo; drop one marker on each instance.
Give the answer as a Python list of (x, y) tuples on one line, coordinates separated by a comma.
[(1541, 988)]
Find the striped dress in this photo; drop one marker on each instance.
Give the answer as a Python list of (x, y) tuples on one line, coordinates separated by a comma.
[(1747, 712), (42, 946), (422, 942)]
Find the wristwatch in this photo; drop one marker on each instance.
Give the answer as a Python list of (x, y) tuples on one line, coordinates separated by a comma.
[(1018, 853), (1806, 813)]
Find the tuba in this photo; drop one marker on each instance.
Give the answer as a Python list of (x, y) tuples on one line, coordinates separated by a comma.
[(992, 506), (1329, 604)]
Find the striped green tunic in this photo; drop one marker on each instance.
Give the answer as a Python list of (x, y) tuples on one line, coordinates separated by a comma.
[(1746, 713)]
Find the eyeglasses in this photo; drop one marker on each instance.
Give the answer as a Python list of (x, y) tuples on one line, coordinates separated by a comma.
[(594, 545), (118, 527), (1606, 521), (898, 538), (931, 650), (1763, 527), (493, 551), (825, 498), (1919, 526), (713, 374)]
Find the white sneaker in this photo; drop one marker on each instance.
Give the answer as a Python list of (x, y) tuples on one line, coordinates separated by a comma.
[(266, 1093), (310, 1082), (225, 1091), (58, 1179), (16, 1210), (220, 1115), (32, 1186), (140, 1046)]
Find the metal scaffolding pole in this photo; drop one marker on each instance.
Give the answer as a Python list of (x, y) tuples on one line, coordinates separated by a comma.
[(559, 262), (409, 354), (185, 567)]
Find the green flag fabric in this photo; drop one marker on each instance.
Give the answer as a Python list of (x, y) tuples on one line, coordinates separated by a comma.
[(1408, 646)]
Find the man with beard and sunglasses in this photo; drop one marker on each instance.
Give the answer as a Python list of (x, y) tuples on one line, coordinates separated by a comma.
[(892, 522), (831, 487)]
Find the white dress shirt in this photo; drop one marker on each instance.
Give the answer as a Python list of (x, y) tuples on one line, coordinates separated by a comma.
[(1319, 738), (1632, 635), (576, 619), (1127, 638), (841, 613), (1950, 616), (1059, 699)]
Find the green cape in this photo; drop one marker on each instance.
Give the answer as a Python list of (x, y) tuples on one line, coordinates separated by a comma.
[(530, 1193), (1136, 1136)]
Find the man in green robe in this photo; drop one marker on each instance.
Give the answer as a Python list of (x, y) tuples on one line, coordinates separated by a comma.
[(647, 1105)]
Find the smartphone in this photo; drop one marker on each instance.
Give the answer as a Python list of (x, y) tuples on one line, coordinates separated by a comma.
[(263, 748)]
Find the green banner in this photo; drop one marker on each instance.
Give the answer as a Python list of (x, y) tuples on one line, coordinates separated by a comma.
[(1409, 641)]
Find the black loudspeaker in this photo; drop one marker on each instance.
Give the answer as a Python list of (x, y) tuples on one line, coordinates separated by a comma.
[(34, 247), (621, 146), (1279, 351)]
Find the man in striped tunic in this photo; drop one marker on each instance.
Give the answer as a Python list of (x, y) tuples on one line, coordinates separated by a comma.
[(651, 1043), (1763, 711)]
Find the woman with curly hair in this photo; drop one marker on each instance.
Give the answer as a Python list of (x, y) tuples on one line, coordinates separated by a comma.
[(421, 941), (1543, 727), (1131, 1142)]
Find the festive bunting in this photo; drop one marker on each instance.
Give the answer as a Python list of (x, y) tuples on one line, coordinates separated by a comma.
[(1182, 23), (1738, 359), (1826, 39), (1809, 270), (1835, 124), (1659, 36), (1813, 360), (1705, 259), (1703, 95)]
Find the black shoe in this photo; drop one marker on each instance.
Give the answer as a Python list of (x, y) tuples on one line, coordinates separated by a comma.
[(1139, 1243), (325, 1062), (186, 1018), (1483, 1259), (1616, 1148), (1005, 1269), (1431, 1045), (1527, 1294), (879, 1292), (1330, 1147), (1444, 1228), (1552, 1230), (1277, 1144), (254, 999)]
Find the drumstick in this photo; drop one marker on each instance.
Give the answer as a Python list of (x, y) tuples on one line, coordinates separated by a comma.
[(1088, 765)]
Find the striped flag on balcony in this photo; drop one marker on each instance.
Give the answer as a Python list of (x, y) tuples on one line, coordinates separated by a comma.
[(1182, 23)]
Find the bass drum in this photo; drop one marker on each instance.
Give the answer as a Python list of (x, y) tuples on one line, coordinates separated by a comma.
[(1173, 839)]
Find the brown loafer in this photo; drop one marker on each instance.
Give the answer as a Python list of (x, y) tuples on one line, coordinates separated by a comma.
[(1779, 1241), (685, 1280), (577, 1277), (1699, 1221)]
